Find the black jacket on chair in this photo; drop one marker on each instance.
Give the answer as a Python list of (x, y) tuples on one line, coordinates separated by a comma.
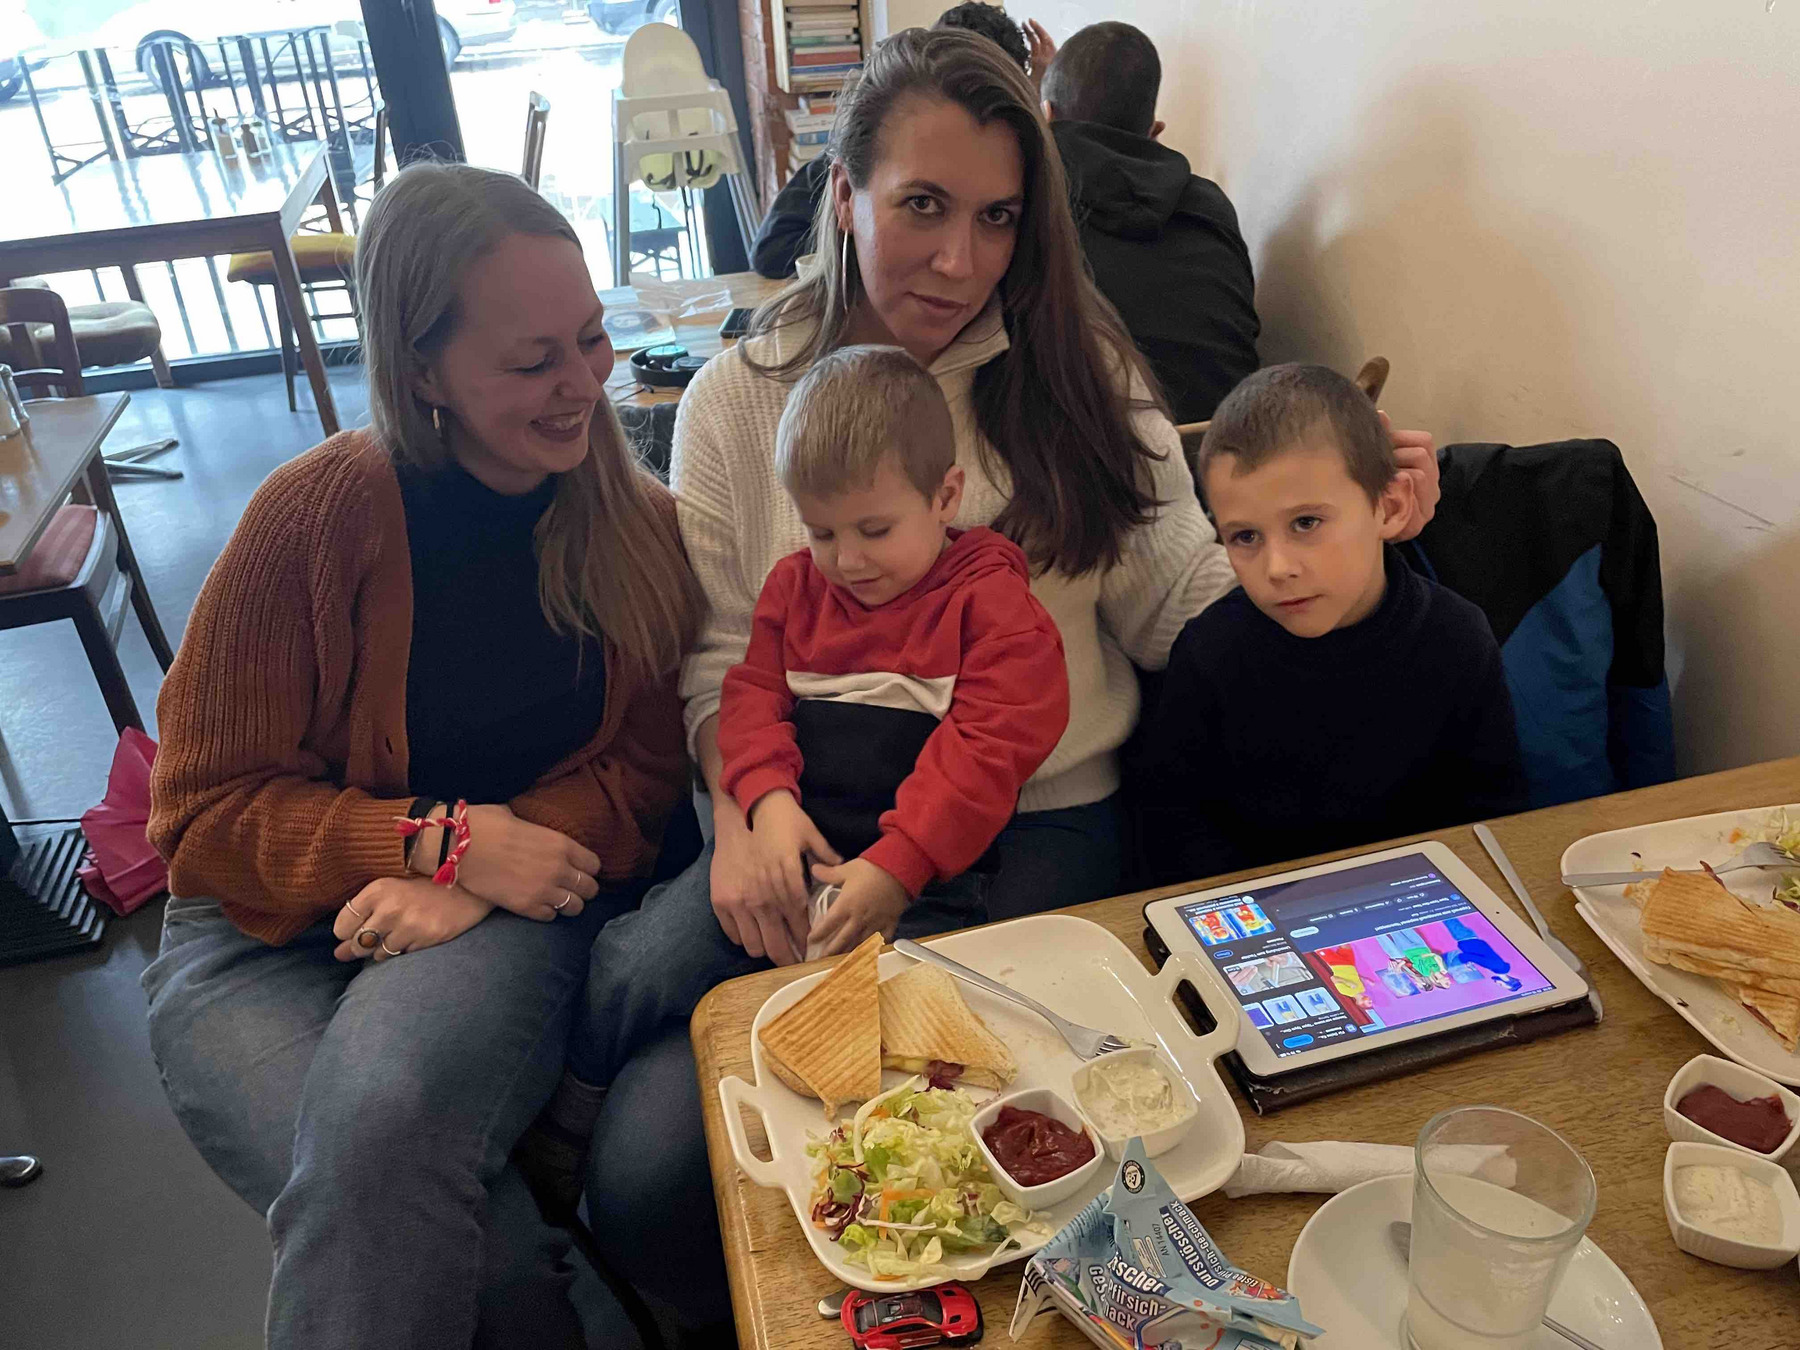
[(1165, 248), (786, 232), (1559, 549)]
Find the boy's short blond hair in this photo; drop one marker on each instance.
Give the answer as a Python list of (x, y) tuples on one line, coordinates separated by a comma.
[(855, 407)]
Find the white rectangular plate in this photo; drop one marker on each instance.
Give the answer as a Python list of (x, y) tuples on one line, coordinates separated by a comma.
[(1703, 1003), (1071, 965)]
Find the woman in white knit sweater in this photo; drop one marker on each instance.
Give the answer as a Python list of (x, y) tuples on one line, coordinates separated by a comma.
[(946, 231)]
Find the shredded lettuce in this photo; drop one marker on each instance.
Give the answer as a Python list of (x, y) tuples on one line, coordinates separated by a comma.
[(913, 1151)]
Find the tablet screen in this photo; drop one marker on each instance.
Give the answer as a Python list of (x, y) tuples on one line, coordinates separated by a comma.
[(1358, 952)]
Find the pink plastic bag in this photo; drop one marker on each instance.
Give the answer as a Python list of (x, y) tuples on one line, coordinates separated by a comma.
[(122, 871)]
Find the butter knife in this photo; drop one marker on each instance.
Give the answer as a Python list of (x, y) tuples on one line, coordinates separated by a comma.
[(1554, 943)]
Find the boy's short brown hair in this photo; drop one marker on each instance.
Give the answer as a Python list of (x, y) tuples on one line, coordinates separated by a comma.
[(1278, 406), (853, 408)]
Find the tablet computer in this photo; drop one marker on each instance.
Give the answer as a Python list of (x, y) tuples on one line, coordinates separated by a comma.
[(1330, 961)]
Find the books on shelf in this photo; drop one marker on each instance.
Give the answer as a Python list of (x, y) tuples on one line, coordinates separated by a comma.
[(821, 45), (831, 56)]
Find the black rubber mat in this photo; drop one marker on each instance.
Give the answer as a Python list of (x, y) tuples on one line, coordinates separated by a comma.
[(43, 910)]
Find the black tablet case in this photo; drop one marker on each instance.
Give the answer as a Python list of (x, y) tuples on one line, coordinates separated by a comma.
[(1373, 1066)]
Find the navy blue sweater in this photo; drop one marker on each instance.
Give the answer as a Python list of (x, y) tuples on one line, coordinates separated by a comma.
[(1264, 746)]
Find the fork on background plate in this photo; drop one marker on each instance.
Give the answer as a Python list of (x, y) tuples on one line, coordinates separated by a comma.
[(1084, 1041), (1762, 854)]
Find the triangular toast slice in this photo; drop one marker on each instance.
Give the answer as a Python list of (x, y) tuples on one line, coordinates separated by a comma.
[(828, 1045), (924, 1019)]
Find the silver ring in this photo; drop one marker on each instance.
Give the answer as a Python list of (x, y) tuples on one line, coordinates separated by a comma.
[(567, 896), (366, 938), (389, 950), (354, 910)]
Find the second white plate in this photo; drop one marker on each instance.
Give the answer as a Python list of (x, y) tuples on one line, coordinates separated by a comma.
[(1701, 1002)]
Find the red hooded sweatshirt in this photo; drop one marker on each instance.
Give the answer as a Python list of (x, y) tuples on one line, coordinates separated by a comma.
[(907, 730)]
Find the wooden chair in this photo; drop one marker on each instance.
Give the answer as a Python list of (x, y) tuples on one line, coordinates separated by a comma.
[(110, 333), (83, 569), (537, 126), (325, 258), (1371, 379)]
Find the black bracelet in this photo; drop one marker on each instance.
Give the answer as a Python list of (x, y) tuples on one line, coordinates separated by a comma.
[(420, 808), (444, 848)]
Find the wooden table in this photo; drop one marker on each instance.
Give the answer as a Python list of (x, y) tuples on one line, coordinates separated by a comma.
[(746, 289), (1601, 1086), (159, 208), (40, 466)]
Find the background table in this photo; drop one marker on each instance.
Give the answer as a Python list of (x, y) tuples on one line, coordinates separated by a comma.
[(40, 466), (159, 208), (747, 290), (1601, 1086)]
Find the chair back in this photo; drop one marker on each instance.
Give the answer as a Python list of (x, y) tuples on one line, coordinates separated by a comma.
[(537, 122), (57, 366), (378, 174)]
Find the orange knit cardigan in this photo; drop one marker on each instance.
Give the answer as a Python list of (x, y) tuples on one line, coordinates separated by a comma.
[(284, 759)]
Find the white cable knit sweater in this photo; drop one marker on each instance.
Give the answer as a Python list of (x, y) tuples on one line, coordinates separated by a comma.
[(737, 522)]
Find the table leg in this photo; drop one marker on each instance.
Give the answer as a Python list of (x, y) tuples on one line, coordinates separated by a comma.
[(158, 362), (328, 199), (100, 489), (287, 280)]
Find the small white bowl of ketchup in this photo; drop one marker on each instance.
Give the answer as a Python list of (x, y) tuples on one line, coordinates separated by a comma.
[(1746, 1091), (1036, 1146)]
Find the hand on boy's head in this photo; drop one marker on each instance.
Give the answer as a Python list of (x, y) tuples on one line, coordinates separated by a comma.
[(1416, 452), (872, 901), (1303, 536)]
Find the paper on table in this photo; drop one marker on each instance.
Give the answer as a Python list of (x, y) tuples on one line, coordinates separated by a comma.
[(1330, 1166)]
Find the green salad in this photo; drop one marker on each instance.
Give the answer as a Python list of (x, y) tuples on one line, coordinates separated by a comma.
[(903, 1185)]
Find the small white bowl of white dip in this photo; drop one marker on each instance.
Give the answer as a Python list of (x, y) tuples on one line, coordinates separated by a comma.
[(1136, 1093)]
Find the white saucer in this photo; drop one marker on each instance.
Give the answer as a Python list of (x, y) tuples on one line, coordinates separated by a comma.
[(1351, 1281)]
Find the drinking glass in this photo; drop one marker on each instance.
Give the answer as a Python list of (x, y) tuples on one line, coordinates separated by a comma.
[(1489, 1250)]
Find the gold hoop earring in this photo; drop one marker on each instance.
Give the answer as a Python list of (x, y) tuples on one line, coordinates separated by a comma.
[(437, 420)]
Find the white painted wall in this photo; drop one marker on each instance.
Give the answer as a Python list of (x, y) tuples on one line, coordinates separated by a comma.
[(1557, 218)]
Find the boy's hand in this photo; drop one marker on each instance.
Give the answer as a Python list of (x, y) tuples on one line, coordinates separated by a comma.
[(1042, 50), (1416, 453), (768, 917), (872, 901)]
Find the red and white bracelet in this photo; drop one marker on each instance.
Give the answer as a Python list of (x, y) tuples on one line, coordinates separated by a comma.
[(455, 822)]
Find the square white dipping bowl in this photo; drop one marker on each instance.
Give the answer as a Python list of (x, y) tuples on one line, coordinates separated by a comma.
[(1156, 1141), (1047, 1103), (1724, 1251), (1741, 1083)]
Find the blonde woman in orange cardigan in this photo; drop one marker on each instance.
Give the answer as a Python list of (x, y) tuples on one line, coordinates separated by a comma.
[(480, 599)]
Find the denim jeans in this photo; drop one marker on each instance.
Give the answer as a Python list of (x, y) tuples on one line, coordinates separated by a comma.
[(368, 1111)]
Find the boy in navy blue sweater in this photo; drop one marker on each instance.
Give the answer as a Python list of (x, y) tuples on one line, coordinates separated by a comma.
[(1337, 698)]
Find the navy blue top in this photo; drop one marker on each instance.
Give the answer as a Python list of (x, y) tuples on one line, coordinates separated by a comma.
[(1265, 746), (494, 697)]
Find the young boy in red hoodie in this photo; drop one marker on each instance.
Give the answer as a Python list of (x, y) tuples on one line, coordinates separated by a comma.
[(901, 682), (900, 685)]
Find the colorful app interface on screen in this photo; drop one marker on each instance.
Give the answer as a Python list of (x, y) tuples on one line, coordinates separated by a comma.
[(1356, 953)]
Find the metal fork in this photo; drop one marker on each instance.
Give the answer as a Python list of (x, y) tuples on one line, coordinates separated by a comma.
[(1084, 1041), (1757, 855)]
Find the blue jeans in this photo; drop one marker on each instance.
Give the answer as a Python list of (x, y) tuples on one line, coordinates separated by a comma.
[(368, 1110)]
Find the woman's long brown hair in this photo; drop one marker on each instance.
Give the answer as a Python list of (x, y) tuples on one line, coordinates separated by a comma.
[(609, 561), (1055, 409)]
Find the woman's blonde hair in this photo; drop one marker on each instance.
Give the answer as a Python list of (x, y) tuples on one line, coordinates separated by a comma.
[(1056, 408), (610, 562)]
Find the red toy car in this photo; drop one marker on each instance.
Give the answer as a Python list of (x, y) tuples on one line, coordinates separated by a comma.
[(943, 1314)]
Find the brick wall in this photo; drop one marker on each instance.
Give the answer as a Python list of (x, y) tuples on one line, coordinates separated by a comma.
[(766, 101)]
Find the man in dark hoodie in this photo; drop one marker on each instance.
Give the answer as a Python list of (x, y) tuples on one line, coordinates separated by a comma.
[(786, 231), (1163, 244)]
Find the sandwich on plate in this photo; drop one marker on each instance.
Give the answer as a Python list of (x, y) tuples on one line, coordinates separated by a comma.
[(1692, 922), (828, 1045), (927, 1029)]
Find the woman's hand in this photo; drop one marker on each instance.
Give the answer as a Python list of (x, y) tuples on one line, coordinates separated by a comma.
[(871, 901), (1417, 454), (406, 914), (1042, 49), (526, 868), (759, 886)]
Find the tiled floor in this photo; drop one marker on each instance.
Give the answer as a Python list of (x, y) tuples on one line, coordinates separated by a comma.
[(128, 1240)]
